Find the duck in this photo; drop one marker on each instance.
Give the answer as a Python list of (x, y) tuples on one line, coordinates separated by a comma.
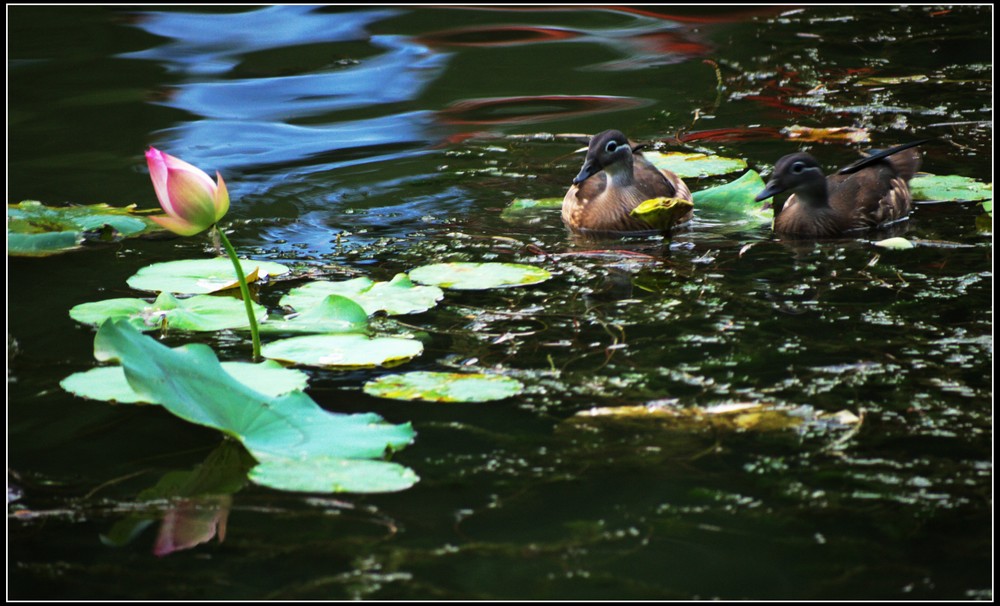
[(868, 194), (616, 178)]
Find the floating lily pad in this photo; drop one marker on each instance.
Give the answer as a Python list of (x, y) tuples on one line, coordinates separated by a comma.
[(885, 80), (43, 245), (525, 206), (334, 314), (343, 351), (398, 296), (444, 387), (695, 165), (330, 474), (190, 383), (721, 417), (479, 276), (662, 213), (949, 188), (36, 230), (200, 276), (835, 133), (894, 244), (198, 313), (109, 383)]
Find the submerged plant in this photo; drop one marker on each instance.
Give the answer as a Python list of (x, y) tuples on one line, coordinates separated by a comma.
[(194, 203)]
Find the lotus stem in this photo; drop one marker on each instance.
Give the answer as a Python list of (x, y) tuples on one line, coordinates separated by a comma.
[(244, 290)]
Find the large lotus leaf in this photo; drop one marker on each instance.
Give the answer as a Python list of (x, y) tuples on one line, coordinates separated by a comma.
[(333, 475), (200, 276), (34, 229), (343, 351), (398, 296), (190, 383), (949, 188), (198, 313), (695, 165), (109, 383), (662, 213), (479, 276), (334, 314), (735, 197), (444, 387)]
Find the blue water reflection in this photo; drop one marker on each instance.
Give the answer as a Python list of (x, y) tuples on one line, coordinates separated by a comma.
[(398, 74), (249, 123), (238, 145), (212, 44)]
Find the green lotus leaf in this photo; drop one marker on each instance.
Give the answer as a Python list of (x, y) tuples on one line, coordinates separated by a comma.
[(198, 313), (343, 351), (200, 276), (695, 165), (398, 296), (334, 314), (190, 383), (109, 383), (444, 387), (949, 188), (479, 276), (327, 474), (735, 197), (34, 229)]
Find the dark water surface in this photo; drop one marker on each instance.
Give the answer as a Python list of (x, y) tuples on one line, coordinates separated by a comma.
[(368, 141)]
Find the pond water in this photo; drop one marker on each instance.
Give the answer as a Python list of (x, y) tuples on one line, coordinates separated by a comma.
[(368, 141)]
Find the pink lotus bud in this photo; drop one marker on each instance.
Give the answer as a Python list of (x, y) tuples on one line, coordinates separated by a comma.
[(193, 203)]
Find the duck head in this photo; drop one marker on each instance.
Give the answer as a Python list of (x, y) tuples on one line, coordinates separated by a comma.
[(800, 174), (609, 151)]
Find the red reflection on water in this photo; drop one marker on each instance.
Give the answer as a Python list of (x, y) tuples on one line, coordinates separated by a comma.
[(528, 109), (504, 35), (732, 134), (668, 42)]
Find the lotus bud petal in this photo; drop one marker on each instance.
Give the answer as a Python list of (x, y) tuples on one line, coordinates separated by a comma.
[(192, 201)]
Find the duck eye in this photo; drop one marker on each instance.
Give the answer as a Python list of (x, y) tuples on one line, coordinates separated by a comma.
[(611, 147), (798, 167)]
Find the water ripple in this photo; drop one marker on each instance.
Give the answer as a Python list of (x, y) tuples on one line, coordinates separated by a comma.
[(226, 145), (212, 44), (397, 75)]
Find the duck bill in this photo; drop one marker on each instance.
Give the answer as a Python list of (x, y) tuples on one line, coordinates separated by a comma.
[(589, 170), (771, 189)]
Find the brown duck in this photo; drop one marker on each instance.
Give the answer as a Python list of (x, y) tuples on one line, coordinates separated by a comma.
[(615, 178), (872, 192)]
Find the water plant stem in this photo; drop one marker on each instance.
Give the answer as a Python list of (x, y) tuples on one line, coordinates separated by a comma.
[(244, 290)]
